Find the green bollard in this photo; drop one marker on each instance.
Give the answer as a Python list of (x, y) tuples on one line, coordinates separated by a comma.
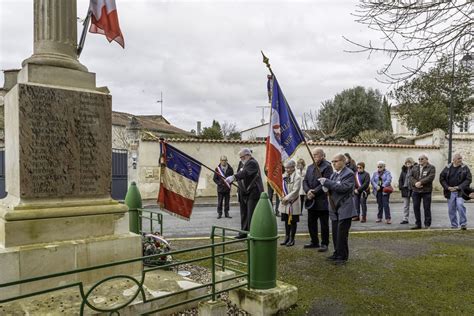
[(133, 200), (263, 245)]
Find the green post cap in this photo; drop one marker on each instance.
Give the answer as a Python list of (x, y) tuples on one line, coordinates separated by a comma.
[(263, 245), (133, 199)]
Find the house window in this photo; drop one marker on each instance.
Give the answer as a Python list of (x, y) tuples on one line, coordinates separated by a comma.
[(464, 126)]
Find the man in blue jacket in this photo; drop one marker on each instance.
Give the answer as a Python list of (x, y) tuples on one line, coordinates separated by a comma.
[(341, 186)]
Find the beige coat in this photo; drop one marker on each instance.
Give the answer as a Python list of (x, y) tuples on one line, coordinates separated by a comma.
[(293, 195), (302, 174)]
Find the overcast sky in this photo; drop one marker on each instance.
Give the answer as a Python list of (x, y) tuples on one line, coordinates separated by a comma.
[(205, 55)]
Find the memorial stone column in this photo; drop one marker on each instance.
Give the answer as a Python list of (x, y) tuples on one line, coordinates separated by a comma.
[(55, 34), (58, 152)]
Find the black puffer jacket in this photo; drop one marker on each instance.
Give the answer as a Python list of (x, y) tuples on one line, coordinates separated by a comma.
[(406, 172), (463, 178)]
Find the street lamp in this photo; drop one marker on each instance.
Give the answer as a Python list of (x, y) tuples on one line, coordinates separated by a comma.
[(466, 59)]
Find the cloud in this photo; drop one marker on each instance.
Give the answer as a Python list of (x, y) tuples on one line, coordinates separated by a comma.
[(205, 55)]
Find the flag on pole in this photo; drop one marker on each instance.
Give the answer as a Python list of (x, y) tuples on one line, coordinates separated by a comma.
[(105, 20), (284, 138), (178, 181)]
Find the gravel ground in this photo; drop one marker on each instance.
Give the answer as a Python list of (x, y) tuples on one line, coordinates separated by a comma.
[(203, 275)]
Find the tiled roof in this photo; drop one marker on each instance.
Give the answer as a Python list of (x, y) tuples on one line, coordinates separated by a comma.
[(311, 143), (153, 123)]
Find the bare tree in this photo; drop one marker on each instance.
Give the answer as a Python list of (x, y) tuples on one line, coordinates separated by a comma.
[(119, 137), (416, 30), (229, 130)]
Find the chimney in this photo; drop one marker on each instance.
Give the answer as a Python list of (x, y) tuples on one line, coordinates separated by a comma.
[(10, 78), (198, 130)]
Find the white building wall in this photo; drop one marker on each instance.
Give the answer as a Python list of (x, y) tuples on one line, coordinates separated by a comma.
[(208, 152)]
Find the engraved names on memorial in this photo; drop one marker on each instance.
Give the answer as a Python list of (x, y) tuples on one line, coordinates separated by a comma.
[(65, 142)]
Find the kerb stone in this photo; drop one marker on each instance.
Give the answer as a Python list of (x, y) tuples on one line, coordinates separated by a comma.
[(212, 308)]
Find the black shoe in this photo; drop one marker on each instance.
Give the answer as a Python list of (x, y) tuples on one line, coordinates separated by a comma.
[(323, 248), (339, 262), (219, 216), (310, 245), (331, 257), (291, 243), (287, 239), (404, 222), (416, 227), (241, 236), (228, 216), (463, 227)]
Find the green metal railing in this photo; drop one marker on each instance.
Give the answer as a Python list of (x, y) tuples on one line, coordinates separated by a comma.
[(215, 257), (154, 217)]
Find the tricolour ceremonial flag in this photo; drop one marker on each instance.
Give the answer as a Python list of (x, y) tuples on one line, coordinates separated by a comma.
[(284, 137), (104, 19), (178, 182)]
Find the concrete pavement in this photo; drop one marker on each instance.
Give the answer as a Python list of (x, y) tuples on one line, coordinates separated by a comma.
[(204, 217)]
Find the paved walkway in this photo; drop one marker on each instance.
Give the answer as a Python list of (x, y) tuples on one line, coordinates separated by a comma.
[(204, 217)]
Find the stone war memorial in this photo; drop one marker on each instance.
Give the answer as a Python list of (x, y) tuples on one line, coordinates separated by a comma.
[(58, 215)]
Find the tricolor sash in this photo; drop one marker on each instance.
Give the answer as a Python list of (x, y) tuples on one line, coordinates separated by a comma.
[(221, 172)]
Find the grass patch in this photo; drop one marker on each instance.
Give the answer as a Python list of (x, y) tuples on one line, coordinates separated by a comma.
[(428, 272)]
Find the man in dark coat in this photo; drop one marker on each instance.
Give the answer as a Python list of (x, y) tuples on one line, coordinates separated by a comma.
[(341, 186), (223, 188), (421, 179), (456, 178), (250, 184), (316, 200)]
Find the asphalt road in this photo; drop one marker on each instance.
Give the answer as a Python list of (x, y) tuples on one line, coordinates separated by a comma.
[(203, 217)]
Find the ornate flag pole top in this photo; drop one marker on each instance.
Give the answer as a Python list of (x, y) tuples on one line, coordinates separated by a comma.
[(266, 61)]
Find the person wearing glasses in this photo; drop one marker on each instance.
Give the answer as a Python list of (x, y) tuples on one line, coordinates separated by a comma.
[(456, 178), (421, 179), (361, 192), (316, 200), (381, 184), (341, 187), (250, 186), (223, 171), (290, 208), (405, 187)]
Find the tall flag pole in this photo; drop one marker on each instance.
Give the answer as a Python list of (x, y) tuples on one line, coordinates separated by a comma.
[(85, 25), (284, 137)]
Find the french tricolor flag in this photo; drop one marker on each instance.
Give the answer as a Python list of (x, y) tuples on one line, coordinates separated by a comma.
[(178, 181), (105, 21), (284, 138)]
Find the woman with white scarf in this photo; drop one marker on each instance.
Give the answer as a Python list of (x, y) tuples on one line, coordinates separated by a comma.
[(290, 208)]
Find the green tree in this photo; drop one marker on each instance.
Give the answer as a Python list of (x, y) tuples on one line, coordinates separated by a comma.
[(424, 101), (371, 136), (350, 112), (212, 132), (386, 115)]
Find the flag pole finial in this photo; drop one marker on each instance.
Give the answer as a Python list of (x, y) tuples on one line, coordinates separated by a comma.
[(266, 61)]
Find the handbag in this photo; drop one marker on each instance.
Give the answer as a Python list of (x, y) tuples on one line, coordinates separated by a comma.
[(388, 189)]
